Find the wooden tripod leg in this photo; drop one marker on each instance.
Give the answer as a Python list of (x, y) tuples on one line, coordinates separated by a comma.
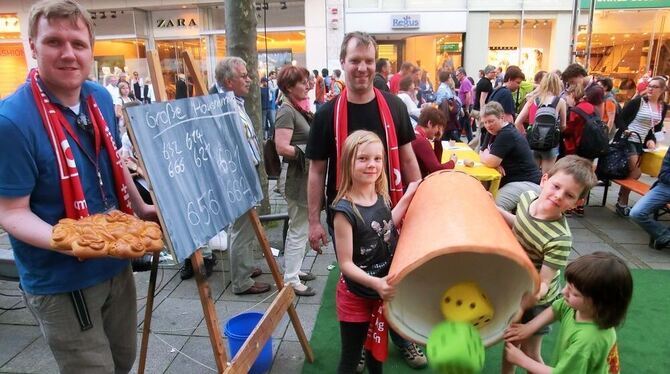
[(208, 309), (279, 281), (148, 310)]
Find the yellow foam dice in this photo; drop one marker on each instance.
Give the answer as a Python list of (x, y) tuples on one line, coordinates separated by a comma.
[(466, 302)]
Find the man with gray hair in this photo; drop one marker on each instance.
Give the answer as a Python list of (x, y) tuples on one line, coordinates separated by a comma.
[(511, 155), (232, 80)]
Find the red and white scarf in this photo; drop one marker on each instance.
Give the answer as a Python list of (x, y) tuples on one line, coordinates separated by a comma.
[(342, 131), (56, 125), (377, 338)]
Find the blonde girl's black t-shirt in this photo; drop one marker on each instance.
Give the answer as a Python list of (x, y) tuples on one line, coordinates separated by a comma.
[(321, 144), (374, 241)]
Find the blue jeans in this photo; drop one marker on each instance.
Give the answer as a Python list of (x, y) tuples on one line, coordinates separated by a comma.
[(643, 212), (465, 124), (268, 121)]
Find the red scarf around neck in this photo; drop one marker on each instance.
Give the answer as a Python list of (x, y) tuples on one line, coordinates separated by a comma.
[(377, 338), (342, 131), (56, 125)]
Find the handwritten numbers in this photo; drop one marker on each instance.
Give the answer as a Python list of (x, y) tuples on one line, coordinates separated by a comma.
[(196, 143), (202, 209)]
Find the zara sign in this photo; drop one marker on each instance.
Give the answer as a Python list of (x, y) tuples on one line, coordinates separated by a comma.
[(409, 21), (176, 23)]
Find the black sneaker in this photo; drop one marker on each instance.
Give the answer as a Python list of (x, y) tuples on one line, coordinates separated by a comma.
[(658, 244), (622, 210), (186, 271), (209, 265)]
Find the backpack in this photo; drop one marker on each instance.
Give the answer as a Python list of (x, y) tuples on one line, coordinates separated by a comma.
[(595, 140), (451, 108), (545, 133), (271, 159)]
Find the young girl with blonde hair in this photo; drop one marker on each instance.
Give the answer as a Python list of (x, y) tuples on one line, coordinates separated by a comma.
[(365, 236)]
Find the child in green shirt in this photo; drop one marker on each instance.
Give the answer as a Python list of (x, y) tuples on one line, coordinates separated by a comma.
[(595, 300), (542, 230)]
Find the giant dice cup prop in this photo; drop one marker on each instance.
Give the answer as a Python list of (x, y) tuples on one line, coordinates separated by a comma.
[(453, 233)]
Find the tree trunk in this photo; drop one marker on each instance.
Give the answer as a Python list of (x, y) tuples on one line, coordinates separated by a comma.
[(241, 42)]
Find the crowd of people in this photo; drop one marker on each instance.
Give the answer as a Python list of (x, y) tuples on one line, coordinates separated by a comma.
[(358, 150)]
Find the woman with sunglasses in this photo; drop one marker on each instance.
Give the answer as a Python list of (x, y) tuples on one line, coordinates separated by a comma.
[(640, 118)]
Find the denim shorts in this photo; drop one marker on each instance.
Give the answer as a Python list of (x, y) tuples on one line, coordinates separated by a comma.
[(546, 155), (533, 312)]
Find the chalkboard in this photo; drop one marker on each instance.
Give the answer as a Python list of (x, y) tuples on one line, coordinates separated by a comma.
[(199, 164)]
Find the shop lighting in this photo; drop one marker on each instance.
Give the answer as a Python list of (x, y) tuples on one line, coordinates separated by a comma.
[(113, 14), (282, 5), (92, 15), (103, 15), (516, 22), (535, 24), (545, 23), (501, 23)]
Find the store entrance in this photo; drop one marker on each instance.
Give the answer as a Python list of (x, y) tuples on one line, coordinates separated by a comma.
[(431, 52), (392, 51), (169, 53)]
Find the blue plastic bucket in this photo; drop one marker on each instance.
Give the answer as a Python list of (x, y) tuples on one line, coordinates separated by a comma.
[(238, 329)]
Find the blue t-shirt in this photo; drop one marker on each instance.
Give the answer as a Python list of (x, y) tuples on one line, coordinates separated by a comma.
[(28, 167), (504, 96)]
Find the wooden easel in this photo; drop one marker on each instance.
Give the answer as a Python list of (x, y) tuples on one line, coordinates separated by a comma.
[(283, 303)]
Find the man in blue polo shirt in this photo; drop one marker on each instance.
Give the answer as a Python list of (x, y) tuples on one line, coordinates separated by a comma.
[(53, 140)]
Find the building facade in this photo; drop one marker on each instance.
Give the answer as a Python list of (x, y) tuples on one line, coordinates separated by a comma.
[(628, 37)]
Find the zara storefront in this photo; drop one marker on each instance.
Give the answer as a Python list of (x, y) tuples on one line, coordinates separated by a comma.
[(124, 35)]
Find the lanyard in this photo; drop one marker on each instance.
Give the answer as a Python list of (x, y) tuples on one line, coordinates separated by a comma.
[(98, 145)]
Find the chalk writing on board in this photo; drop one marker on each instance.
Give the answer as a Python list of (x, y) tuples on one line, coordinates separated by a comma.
[(199, 164)]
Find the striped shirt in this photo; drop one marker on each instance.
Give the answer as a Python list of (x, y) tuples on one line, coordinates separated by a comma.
[(545, 242), (645, 119)]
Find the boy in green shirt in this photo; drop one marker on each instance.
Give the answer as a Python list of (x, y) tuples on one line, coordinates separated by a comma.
[(542, 230), (595, 300)]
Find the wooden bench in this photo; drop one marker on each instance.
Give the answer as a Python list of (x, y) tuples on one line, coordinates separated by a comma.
[(639, 188)]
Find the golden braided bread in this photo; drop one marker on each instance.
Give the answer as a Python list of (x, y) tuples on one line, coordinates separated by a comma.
[(109, 234)]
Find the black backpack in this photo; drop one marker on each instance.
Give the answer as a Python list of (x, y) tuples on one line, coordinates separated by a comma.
[(545, 132), (595, 140)]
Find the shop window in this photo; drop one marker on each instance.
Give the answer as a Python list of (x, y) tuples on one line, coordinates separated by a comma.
[(9, 26), (389, 52), (627, 45), (283, 48), (435, 52), (118, 57), (530, 54), (172, 65), (14, 69), (293, 15)]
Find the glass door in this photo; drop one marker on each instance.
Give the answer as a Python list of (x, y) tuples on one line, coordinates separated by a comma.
[(172, 65)]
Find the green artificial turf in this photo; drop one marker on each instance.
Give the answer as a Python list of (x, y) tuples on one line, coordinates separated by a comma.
[(643, 339)]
